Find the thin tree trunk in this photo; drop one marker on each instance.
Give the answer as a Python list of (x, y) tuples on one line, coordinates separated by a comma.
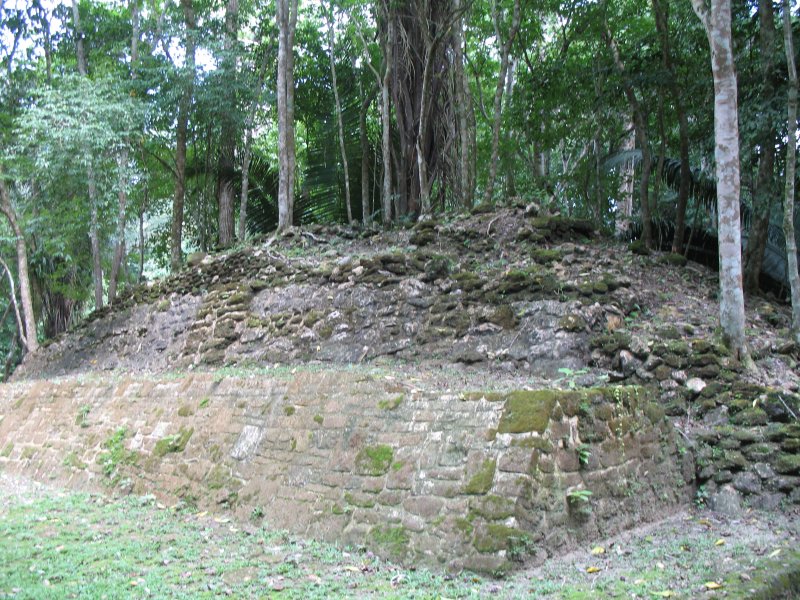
[(386, 125), (505, 50), (366, 214), (227, 143), (246, 153), (764, 188), (339, 119), (181, 134), (717, 23), (119, 247), (141, 235), (94, 223), (627, 172), (791, 157), (463, 101), (640, 124), (287, 20), (29, 340)]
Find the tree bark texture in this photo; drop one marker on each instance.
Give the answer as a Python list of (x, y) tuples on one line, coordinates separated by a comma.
[(386, 124), (764, 189), (640, 125), (339, 119), (661, 14), (30, 340), (287, 21), (717, 23), (791, 157), (504, 50), (181, 134), (227, 146)]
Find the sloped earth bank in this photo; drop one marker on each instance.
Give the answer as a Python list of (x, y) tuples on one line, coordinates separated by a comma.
[(61, 544), (508, 302)]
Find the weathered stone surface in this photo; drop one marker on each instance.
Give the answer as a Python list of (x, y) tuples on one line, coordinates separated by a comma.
[(726, 501), (355, 457), (747, 483)]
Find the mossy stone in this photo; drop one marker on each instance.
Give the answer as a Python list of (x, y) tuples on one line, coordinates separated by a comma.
[(481, 482), (503, 316), (491, 507), (750, 416), (394, 540), (787, 464), (494, 537), (173, 443), (572, 322), (527, 411), (374, 460), (677, 260), (639, 247)]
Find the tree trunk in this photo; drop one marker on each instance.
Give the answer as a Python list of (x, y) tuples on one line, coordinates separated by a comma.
[(94, 223), (463, 100), (661, 14), (246, 153), (119, 246), (339, 119), (366, 210), (627, 173), (764, 188), (30, 340), (181, 134), (386, 126), (640, 124), (505, 50), (791, 156), (717, 23), (287, 21), (227, 144)]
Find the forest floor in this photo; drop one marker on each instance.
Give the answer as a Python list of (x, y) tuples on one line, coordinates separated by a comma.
[(60, 544)]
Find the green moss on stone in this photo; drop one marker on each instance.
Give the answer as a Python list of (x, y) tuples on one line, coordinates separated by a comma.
[(374, 460), (72, 460), (391, 403), (288, 410), (318, 419), (7, 450), (495, 538), (481, 482), (491, 507), (464, 526), (527, 411), (392, 539), (787, 464), (173, 443), (185, 411)]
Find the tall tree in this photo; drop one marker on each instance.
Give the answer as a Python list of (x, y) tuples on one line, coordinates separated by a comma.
[(640, 126), (94, 225), (287, 24), (227, 146), (791, 158), (28, 336), (504, 49), (764, 190), (716, 20), (181, 134), (339, 118), (661, 14)]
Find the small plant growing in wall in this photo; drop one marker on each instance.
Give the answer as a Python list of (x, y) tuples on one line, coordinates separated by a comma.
[(578, 503), (80, 418), (584, 454)]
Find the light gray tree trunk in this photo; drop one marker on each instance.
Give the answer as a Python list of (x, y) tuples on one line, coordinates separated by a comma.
[(227, 144), (181, 134), (791, 157), (505, 50), (386, 126), (640, 125), (29, 338), (287, 21), (463, 98), (94, 222), (338, 107), (717, 22), (246, 153)]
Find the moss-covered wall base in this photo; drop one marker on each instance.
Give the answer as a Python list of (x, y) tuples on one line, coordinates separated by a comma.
[(462, 480)]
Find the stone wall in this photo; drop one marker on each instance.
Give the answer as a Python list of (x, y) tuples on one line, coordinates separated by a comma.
[(461, 480)]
